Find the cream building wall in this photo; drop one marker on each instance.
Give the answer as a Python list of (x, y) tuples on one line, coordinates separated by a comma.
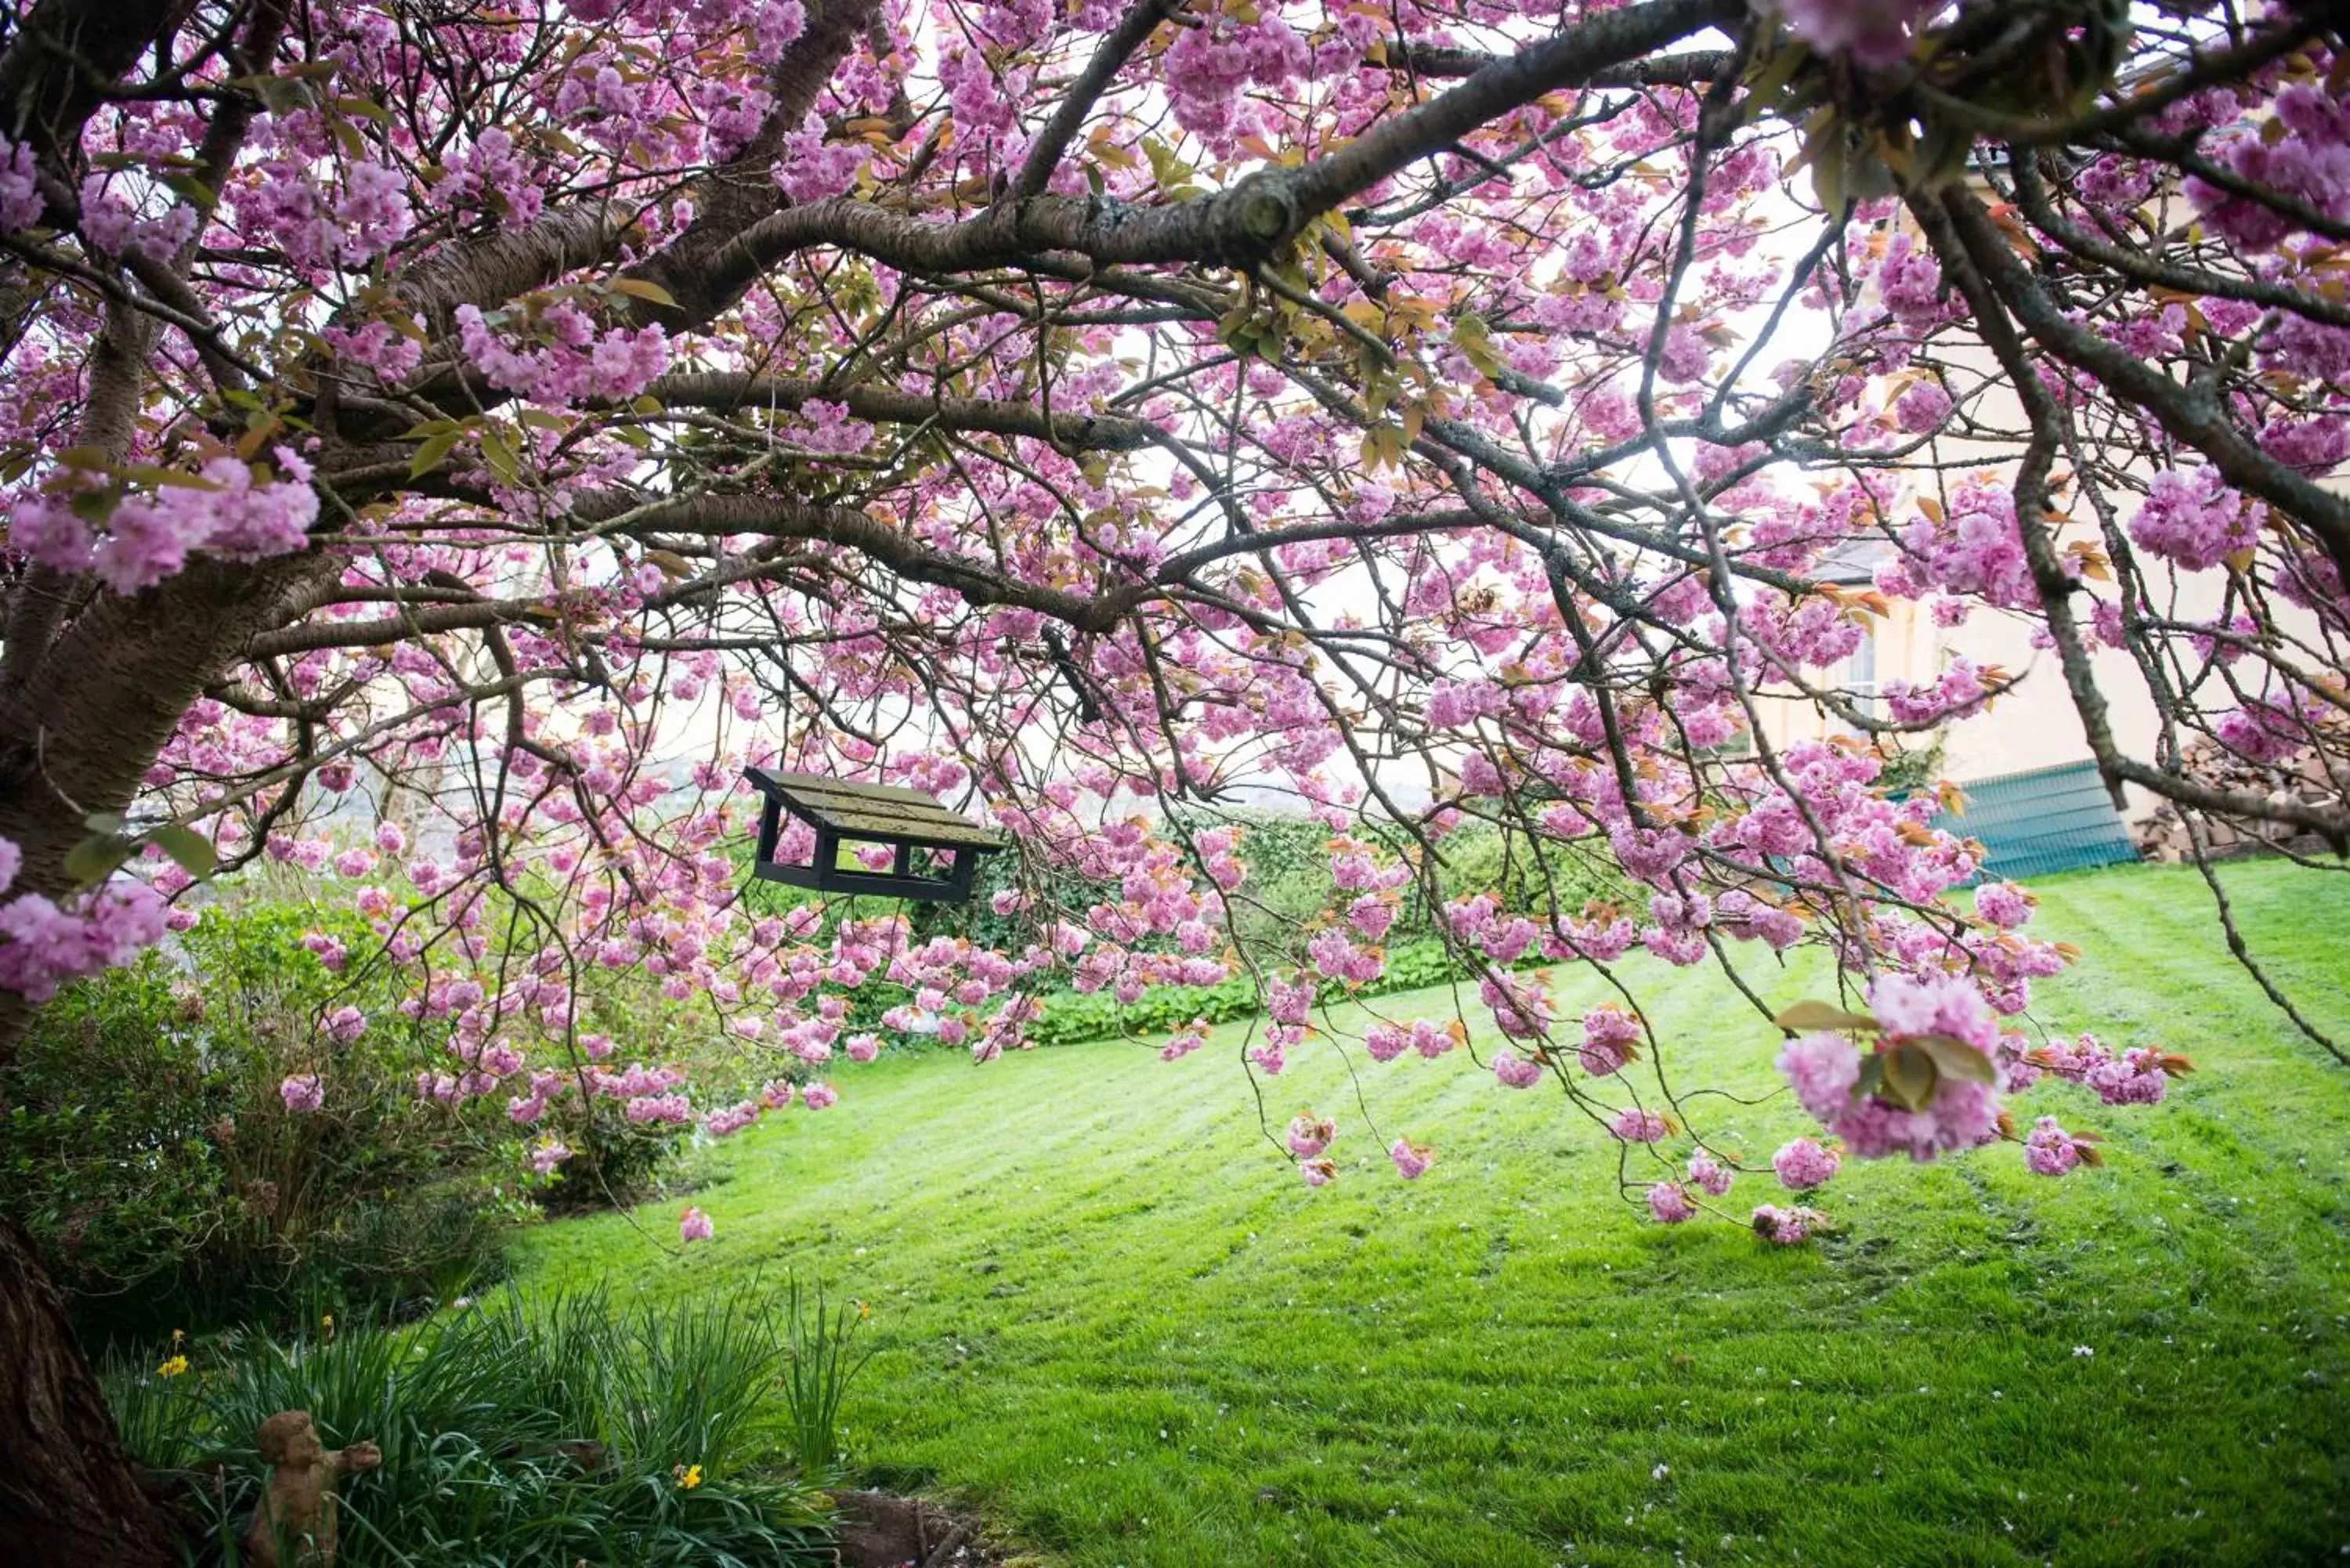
[(2036, 724)]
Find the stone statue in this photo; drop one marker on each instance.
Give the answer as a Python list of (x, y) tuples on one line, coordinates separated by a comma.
[(294, 1524)]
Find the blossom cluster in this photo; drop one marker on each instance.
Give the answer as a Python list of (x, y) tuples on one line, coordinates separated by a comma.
[(44, 944), (224, 508)]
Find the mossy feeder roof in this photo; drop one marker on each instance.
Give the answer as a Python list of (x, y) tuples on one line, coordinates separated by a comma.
[(845, 813)]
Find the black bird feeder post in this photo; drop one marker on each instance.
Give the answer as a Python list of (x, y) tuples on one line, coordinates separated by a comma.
[(842, 812)]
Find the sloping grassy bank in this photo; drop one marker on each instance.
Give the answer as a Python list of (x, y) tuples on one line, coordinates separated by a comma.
[(1109, 1313)]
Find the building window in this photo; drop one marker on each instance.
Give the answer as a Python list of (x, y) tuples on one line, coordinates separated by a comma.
[(1860, 673)]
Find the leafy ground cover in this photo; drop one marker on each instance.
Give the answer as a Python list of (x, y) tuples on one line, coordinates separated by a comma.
[(1108, 1312)]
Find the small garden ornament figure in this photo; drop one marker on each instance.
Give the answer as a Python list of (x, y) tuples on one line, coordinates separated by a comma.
[(294, 1524)]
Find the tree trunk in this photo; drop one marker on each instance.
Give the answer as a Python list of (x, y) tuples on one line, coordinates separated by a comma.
[(69, 1496)]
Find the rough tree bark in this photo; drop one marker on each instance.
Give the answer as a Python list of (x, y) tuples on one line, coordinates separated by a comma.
[(68, 1494)]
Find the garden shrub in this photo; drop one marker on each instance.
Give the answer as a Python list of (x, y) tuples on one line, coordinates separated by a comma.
[(614, 1162), (570, 1432), (151, 1154)]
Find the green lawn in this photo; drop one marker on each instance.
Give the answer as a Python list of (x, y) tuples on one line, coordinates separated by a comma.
[(1112, 1319)]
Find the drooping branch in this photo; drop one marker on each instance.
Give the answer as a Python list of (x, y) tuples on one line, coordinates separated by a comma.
[(2191, 414), (777, 517)]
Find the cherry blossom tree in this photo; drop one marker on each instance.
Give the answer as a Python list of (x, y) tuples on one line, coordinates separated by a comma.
[(445, 442)]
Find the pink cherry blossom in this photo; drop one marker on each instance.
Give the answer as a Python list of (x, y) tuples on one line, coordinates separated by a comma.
[(1784, 1226), (1610, 1039), (2194, 519), (1411, 1160), (2049, 1149), (1708, 1174), (1873, 31), (1515, 1071), (1309, 1135), (1640, 1127), (1803, 1163)]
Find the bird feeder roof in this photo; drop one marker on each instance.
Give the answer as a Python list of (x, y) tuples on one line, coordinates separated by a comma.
[(871, 812)]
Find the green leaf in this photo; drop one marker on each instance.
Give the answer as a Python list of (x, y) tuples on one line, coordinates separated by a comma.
[(1170, 173), (498, 450), (1828, 175), (1765, 84), (640, 288), (436, 446), (1475, 341), (97, 857), (1867, 177), (193, 191), (1871, 1078), (1942, 155), (1957, 1059), (1909, 1076), (179, 478), (1383, 446), (1807, 1015), (192, 849), (95, 506)]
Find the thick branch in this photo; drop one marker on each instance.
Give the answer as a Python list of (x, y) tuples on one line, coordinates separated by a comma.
[(1098, 432), (779, 517), (56, 72), (1239, 227), (1438, 62)]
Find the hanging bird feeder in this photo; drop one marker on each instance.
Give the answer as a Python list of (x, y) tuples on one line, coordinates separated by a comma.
[(844, 816)]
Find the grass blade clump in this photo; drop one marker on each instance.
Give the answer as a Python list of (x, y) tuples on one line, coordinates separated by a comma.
[(564, 1431), (820, 1366)]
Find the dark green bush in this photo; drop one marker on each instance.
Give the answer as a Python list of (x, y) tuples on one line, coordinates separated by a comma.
[(614, 1162), (149, 1150), (574, 1432)]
